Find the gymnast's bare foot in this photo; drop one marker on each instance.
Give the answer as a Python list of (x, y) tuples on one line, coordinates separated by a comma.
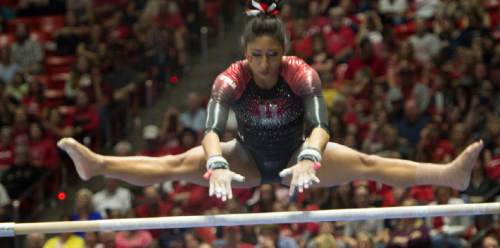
[(459, 170), (87, 163)]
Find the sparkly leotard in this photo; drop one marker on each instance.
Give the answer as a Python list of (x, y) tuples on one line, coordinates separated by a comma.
[(270, 121)]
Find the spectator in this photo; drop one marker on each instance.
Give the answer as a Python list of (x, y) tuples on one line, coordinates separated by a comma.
[(57, 126), (187, 139), (231, 238), (42, 149), (65, 240), (69, 37), (112, 200), (171, 127), (341, 197), (366, 57), (21, 174), (191, 198), (86, 119), (193, 240), (362, 200), (409, 232), (123, 148), (426, 44), (490, 242), (151, 135), (26, 52), (34, 99), (152, 206), (481, 187), (18, 89), (133, 239), (81, 9), (84, 208), (426, 8), (6, 148), (8, 68), (194, 116), (410, 126), (325, 238), (339, 38), (91, 239), (321, 61), (447, 230), (35, 240), (79, 79), (269, 236), (107, 239), (20, 126), (393, 10)]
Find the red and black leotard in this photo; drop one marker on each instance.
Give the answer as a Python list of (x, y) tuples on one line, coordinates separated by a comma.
[(270, 121)]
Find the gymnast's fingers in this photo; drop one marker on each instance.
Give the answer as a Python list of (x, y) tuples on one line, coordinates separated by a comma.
[(238, 177), (292, 187), (286, 172), (229, 190), (211, 188)]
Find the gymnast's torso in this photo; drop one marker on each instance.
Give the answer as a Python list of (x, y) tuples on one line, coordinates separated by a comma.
[(270, 121)]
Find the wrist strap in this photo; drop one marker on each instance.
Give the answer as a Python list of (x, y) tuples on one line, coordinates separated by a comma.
[(217, 162), (311, 154)]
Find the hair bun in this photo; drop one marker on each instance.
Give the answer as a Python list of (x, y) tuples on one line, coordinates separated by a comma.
[(263, 7)]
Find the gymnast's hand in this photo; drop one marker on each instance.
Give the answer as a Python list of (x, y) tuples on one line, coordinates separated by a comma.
[(220, 176), (303, 175)]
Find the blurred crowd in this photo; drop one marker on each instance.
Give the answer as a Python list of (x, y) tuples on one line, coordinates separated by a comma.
[(412, 79)]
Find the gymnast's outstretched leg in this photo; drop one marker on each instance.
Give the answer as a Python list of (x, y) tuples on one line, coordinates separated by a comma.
[(342, 164), (142, 170)]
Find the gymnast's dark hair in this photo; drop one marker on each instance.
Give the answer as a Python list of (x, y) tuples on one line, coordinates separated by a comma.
[(264, 21)]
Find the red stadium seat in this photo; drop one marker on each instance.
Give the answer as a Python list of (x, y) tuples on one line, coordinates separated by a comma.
[(58, 80), (66, 110), (41, 37), (58, 64), (30, 22), (54, 97), (50, 24)]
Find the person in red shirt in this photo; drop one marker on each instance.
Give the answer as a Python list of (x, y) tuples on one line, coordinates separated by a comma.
[(6, 148), (152, 206), (34, 100), (187, 139), (338, 36), (366, 57), (191, 198), (42, 149), (57, 125), (153, 148), (20, 127), (86, 118)]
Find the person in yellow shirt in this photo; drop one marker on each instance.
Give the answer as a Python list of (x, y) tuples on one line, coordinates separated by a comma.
[(65, 240)]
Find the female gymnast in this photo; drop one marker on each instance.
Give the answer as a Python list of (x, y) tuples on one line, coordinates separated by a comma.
[(283, 131)]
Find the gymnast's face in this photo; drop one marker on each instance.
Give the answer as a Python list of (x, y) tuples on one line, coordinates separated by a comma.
[(264, 55)]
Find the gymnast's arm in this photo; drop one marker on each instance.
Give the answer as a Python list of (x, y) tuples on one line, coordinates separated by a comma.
[(217, 113), (317, 121)]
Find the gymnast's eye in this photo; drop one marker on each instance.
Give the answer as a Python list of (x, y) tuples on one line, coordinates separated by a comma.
[(272, 53), (256, 54)]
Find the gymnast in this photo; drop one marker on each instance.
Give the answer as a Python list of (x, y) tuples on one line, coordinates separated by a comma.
[(283, 131)]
